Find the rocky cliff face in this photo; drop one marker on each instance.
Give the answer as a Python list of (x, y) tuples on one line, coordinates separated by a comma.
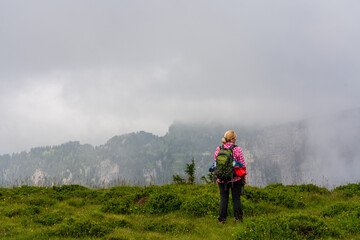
[(290, 153), (275, 154)]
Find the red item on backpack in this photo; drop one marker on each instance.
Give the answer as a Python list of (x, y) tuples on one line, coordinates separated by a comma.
[(240, 171)]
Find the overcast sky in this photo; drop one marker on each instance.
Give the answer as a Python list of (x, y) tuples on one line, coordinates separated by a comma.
[(88, 70)]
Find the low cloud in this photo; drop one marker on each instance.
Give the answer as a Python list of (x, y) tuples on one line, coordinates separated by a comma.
[(88, 70)]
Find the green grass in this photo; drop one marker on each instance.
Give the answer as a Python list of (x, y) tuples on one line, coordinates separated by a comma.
[(178, 212)]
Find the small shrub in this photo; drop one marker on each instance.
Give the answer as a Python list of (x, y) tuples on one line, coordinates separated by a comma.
[(335, 209), (119, 206), (32, 210), (163, 203), (70, 188), (190, 171), (202, 205), (349, 190), (41, 201), (97, 215), (257, 209), (67, 191), (344, 215), (99, 230), (275, 186), (255, 194), (13, 212), (178, 180), (131, 193), (27, 190), (22, 211), (114, 223), (76, 202), (50, 219), (82, 228), (312, 188), (293, 226), (288, 200), (276, 194)]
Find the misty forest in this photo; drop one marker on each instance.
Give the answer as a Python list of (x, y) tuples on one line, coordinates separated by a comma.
[(136, 186), (322, 151)]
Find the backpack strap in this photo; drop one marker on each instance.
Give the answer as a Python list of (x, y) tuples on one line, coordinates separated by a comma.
[(232, 147), (232, 150)]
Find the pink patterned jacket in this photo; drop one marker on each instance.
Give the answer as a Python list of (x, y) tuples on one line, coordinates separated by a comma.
[(238, 156)]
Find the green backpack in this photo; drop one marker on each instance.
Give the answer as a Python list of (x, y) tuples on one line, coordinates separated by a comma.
[(224, 170)]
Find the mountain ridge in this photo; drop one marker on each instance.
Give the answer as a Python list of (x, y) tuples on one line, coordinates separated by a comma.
[(279, 153)]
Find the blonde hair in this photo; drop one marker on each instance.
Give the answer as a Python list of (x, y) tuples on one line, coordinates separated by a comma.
[(229, 136)]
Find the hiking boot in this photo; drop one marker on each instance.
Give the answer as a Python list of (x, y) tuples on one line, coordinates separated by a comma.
[(239, 220), (221, 223)]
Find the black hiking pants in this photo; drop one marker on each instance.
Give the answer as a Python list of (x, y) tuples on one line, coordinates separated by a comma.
[(224, 200)]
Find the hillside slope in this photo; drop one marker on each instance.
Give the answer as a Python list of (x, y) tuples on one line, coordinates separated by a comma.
[(178, 212)]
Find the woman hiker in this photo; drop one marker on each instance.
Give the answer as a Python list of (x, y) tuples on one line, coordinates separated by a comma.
[(236, 183)]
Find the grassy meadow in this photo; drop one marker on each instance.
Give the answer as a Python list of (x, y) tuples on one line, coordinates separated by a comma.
[(178, 212)]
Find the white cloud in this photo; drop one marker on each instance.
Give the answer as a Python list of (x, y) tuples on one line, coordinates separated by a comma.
[(88, 70)]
